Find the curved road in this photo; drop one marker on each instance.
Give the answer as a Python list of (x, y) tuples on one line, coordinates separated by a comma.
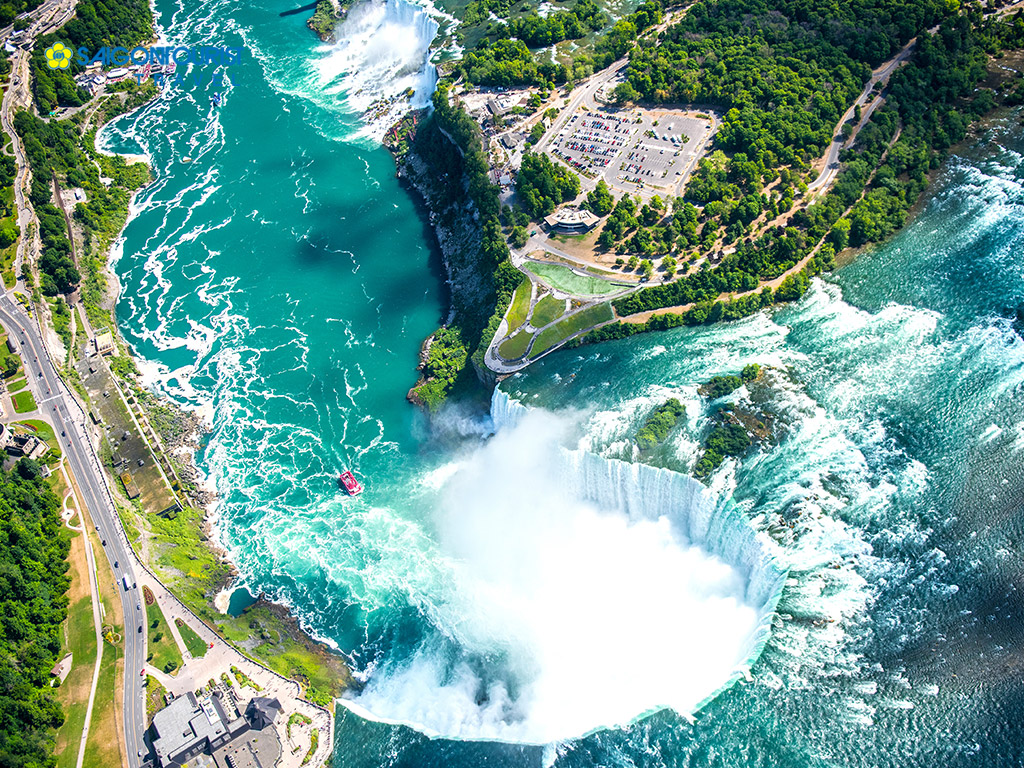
[(839, 142), (69, 420)]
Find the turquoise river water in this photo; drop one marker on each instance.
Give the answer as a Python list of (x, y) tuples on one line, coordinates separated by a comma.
[(517, 590)]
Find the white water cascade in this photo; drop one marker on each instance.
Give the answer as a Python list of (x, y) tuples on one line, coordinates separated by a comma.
[(580, 593), (381, 63)]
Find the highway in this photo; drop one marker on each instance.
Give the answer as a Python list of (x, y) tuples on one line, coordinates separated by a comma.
[(58, 405), (69, 420)]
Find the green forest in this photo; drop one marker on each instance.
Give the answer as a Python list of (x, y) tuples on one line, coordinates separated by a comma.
[(33, 603), (929, 105), (504, 57), (11, 9), (56, 148)]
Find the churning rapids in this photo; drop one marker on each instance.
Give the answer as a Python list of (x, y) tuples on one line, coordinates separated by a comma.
[(559, 561), (540, 584)]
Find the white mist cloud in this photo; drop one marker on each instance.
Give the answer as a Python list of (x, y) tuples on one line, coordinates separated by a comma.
[(570, 616)]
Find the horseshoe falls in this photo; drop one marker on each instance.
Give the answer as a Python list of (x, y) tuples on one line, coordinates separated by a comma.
[(519, 589), (558, 558)]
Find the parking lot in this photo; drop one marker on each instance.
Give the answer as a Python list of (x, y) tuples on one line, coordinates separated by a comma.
[(592, 141), (652, 151)]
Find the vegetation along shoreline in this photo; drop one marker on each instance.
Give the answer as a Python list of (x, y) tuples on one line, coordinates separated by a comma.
[(789, 179)]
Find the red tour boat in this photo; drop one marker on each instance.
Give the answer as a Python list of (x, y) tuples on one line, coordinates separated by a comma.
[(348, 481)]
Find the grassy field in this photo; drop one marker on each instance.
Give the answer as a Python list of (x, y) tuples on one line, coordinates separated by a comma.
[(547, 311), (79, 638), (193, 642), (520, 305), (104, 747), (195, 573), (323, 673), (162, 648), (154, 697), (564, 279), (515, 347), (569, 326), (16, 385), (23, 402)]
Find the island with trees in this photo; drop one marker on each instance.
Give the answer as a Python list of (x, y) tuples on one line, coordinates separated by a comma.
[(661, 421)]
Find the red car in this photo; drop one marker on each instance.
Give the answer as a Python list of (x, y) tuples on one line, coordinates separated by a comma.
[(142, 673)]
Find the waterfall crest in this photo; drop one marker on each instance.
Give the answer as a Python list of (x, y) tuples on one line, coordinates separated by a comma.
[(381, 63)]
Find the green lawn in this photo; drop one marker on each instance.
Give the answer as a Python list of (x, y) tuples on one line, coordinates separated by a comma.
[(162, 648), (564, 279), (515, 347), (154, 698), (547, 311), (16, 385), (102, 749), (23, 402), (193, 642), (80, 639), (520, 305), (193, 570), (569, 326)]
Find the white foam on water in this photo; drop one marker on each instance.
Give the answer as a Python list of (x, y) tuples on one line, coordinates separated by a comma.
[(379, 68), (382, 53), (558, 561)]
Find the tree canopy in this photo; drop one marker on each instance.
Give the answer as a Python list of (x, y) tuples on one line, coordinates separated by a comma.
[(33, 603)]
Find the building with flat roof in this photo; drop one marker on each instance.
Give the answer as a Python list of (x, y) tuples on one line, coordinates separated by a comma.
[(572, 220), (29, 446), (188, 727), (104, 343)]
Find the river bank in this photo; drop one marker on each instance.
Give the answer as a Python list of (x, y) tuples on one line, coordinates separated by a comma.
[(266, 631)]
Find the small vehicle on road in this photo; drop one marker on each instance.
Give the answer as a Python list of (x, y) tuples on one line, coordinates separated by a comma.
[(104, 542), (142, 673), (115, 563)]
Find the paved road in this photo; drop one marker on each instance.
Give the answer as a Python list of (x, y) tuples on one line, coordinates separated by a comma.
[(69, 420), (881, 75), (47, 18)]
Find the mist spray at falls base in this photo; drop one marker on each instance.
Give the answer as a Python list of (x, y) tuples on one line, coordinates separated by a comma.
[(381, 63), (557, 563)]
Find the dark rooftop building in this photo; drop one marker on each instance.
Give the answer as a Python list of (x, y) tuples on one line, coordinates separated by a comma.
[(187, 727), (262, 712)]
